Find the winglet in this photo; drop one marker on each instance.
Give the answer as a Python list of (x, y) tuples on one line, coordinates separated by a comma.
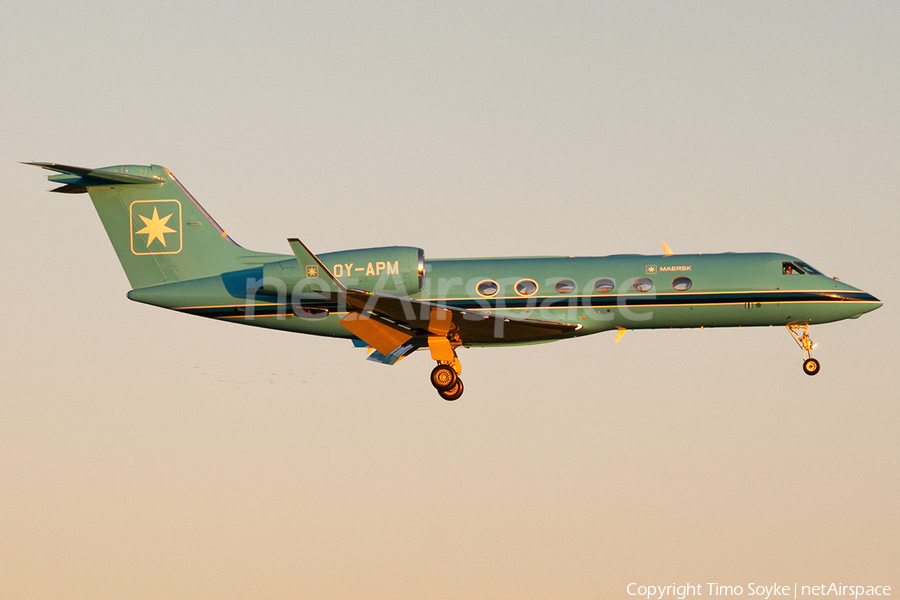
[(304, 256), (666, 250)]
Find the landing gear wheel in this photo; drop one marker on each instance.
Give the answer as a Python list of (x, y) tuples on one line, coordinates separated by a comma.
[(454, 392), (810, 366), (443, 378)]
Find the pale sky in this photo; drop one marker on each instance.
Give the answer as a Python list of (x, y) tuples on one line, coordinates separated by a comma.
[(147, 454)]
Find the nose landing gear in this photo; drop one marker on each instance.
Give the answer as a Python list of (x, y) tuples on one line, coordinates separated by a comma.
[(810, 365)]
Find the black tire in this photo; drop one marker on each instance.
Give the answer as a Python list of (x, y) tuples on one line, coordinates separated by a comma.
[(810, 366), (443, 377), (453, 393)]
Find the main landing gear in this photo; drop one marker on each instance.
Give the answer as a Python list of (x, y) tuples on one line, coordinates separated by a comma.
[(445, 376), (810, 365), (446, 381)]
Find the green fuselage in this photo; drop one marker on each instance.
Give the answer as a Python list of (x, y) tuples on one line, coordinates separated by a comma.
[(725, 290)]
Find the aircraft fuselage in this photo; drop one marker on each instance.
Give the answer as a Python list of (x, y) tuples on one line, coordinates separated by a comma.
[(690, 290)]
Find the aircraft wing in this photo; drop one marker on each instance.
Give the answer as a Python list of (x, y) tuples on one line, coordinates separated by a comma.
[(428, 318), (389, 323)]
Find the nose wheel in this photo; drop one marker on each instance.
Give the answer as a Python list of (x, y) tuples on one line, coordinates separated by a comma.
[(810, 365)]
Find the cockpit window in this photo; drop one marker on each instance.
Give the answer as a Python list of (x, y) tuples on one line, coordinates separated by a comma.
[(789, 268), (807, 268)]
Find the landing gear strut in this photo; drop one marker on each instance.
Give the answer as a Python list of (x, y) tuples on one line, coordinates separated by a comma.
[(810, 365)]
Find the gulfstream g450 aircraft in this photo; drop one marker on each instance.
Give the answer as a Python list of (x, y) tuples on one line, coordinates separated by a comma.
[(394, 301)]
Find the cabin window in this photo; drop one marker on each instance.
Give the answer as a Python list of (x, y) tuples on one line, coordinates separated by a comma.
[(488, 288), (604, 286), (565, 286), (682, 284), (789, 268), (807, 268), (642, 284), (526, 287)]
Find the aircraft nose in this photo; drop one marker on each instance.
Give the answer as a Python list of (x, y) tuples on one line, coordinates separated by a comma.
[(876, 303), (867, 302)]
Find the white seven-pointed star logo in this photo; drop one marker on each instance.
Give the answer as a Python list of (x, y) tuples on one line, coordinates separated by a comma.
[(156, 228)]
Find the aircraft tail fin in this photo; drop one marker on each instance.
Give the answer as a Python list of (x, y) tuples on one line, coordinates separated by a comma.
[(159, 231)]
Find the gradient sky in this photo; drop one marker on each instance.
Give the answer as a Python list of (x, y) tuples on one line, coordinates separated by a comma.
[(147, 454)]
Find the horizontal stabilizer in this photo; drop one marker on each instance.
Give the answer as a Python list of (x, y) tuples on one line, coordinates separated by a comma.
[(76, 180), (70, 189)]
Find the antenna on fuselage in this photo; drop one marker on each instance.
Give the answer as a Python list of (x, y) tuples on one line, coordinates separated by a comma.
[(666, 250)]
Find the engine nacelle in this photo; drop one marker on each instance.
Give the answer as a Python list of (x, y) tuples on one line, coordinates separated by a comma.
[(392, 270)]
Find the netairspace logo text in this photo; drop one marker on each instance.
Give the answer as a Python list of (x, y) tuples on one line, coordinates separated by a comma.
[(756, 590)]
